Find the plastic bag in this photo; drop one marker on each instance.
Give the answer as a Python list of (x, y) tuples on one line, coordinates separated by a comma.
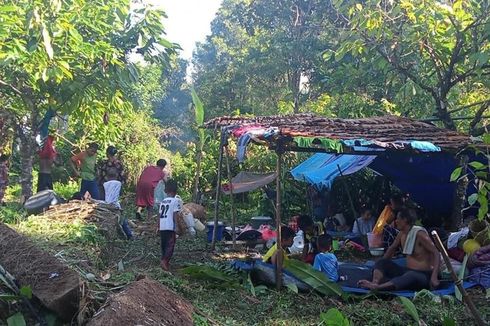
[(159, 194)]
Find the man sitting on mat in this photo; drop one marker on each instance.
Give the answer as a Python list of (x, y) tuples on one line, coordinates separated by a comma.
[(422, 259)]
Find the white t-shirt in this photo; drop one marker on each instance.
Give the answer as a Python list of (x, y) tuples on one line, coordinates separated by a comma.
[(112, 189), (168, 207)]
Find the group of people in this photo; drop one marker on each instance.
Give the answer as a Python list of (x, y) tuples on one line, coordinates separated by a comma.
[(396, 225)]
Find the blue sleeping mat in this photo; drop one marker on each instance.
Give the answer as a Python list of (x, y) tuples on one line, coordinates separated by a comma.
[(356, 272), (265, 273)]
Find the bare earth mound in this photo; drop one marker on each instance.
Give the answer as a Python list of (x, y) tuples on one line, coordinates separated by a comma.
[(144, 302), (53, 283)]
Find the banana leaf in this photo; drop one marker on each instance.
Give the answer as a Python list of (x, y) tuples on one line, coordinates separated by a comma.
[(209, 273), (316, 279)]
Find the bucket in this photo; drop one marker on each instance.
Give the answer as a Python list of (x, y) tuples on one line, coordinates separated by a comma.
[(198, 225), (374, 240), (219, 231)]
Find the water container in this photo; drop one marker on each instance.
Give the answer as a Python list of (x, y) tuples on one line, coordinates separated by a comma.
[(198, 225), (219, 231), (375, 240)]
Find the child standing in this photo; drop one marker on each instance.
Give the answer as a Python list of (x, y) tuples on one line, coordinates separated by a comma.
[(169, 208), (326, 261), (112, 190)]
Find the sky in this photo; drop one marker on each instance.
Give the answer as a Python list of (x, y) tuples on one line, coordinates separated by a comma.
[(188, 21)]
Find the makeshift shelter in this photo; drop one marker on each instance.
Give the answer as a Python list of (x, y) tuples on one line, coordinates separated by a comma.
[(385, 135)]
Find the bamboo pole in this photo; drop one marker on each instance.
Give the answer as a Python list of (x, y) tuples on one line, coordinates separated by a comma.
[(232, 203), (279, 261), (457, 281), (218, 190)]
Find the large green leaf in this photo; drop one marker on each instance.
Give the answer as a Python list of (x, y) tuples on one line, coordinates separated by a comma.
[(198, 106), (333, 317), (410, 308), (16, 320), (316, 279), (208, 273)]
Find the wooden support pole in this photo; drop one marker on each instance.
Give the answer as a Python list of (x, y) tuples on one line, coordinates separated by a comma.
[(232, 202), (218, 190), (279, 261), (457, 281)]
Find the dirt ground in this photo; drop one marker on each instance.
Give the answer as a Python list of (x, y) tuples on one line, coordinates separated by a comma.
[(144, 302), (53, 283)]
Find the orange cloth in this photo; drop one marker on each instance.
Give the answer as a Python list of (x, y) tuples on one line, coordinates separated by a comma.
[(387, 216)]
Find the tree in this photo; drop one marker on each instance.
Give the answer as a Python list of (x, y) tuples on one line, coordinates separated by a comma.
[(439, 48), (260, 56), (72, 57)]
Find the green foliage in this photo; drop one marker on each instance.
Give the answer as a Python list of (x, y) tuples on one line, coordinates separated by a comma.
[(410, 308), (66, 189), (316, 279), (478, 171), (333, 317), (16, 320), (210, 273), (62, 232)]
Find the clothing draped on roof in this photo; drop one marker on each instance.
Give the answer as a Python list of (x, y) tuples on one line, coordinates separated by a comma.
[(248, 181), (321, 169)]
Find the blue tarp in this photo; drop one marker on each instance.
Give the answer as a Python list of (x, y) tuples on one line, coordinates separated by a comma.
[(425, 177), (321, 169)]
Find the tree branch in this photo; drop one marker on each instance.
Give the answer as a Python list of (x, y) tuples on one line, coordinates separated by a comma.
[(487, 101), (7, 85), (478, 117)]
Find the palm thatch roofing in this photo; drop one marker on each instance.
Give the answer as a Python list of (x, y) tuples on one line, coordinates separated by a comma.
[(387, 130)]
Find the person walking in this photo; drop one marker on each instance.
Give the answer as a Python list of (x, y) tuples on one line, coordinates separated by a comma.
[(145, 188)]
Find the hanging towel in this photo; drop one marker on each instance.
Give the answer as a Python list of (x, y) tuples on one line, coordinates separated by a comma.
[(331, 144), (411, 237), (303, 141)]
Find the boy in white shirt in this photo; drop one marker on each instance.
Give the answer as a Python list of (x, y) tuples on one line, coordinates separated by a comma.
[(169, 208), (112, 189)]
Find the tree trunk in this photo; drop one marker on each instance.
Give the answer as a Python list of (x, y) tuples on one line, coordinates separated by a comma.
[(198, 173), (443, 114), (27, 136)]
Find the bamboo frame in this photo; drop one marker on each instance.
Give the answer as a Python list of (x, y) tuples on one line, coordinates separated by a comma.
[(279, 260), (232, 202), (457, 281), (218, 189)]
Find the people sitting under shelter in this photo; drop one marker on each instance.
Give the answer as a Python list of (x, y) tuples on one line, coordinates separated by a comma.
[(326, 261), (365, 223), (385, 224), (287, 236), (335, 220), (423, 259), (305, 240)]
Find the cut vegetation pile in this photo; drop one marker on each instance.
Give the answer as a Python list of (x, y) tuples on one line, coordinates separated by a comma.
[(52, 282), (144, 302), (104, 216)]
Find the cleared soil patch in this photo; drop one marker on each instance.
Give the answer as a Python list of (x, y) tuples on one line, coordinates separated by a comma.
[(53, 283), (144, 302)]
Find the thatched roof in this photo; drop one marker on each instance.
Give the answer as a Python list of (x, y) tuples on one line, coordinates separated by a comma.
[(383, 129)]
